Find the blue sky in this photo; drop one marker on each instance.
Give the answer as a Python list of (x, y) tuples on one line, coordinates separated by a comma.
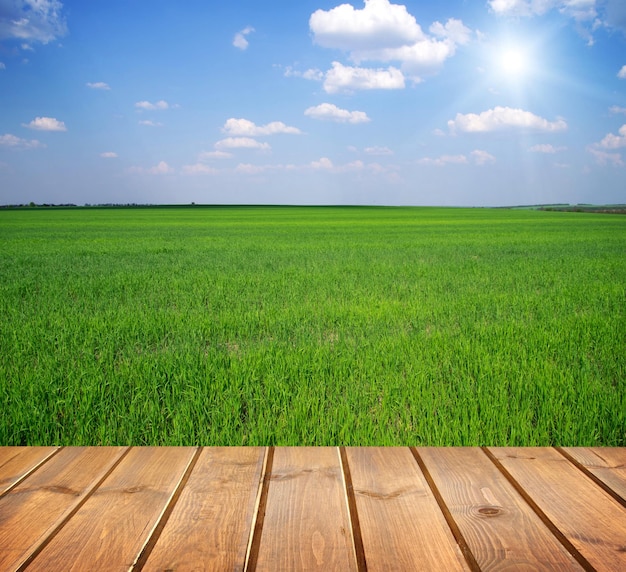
[(500, 102)]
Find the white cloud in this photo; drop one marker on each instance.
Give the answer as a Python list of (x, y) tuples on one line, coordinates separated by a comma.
[(347, 79), (622, 72), (99, 85), (444, 160), (32, 20), (386, 32), (161, 168), (502, 118), (250, 169), (46, 124), (108, 155), (241, 143), (198, 169), (583, 12), (311, 74), (482, 157), (14, 142), (577, 9), (152, 106), (453, 30), (247, 128), (546, 148), (150, 123), (2, 66), (239, 41), (323, 164), (330, 112), (611, 141), (207, 155), (617, 109), (379, 24), (378, 151), (603, 158)]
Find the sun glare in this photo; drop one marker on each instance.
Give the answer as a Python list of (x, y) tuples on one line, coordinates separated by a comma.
[(513, 62)]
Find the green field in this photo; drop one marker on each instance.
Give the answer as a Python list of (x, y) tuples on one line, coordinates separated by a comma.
[(312, 326)]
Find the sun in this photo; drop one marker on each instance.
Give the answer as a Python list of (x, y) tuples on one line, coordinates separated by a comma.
[(513, 62)]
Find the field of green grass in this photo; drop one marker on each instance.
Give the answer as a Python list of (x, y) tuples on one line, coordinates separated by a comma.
[(312, 326)]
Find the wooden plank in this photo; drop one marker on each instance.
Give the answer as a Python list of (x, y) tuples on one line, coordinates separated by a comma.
[(607, 464), (401, 525), (590, 519), (35, 508), (500, 529), (17, 462), (111, 528), (306, 524), (211, 524)]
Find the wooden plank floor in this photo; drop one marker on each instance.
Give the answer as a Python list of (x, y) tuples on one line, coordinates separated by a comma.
[(247, 508)]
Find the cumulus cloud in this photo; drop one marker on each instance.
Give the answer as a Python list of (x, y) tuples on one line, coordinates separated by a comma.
[(198, 169), (323, 163), (46, 124), (348, 79), (378, 151), (99, 85), (482, 157), (241, 143), (503, 118), (379, 24), (239, 41), (14, 142), (146, 105), (386, 32), (611, 141), (33, 20), (2, 66), (108, 155), (161, 168), (622, 72), (247, 128), (585, 13), (546, 148), (330, 112), (311, 74), (150, 123), (604, 158), (577, 9), (617, 109), (208, 155), (444, 160)]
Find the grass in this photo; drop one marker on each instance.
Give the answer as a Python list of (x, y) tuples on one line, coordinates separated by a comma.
[(312, 326)]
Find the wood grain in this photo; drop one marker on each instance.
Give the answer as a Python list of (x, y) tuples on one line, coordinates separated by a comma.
[(306, 525), (500, 529), (608, 464), (35, 508), (398, 514), (17, 462), (210, 526), (589, 518), (111, 528)]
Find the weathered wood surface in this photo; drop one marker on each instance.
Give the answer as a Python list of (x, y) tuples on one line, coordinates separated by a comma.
[(220, 508)]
